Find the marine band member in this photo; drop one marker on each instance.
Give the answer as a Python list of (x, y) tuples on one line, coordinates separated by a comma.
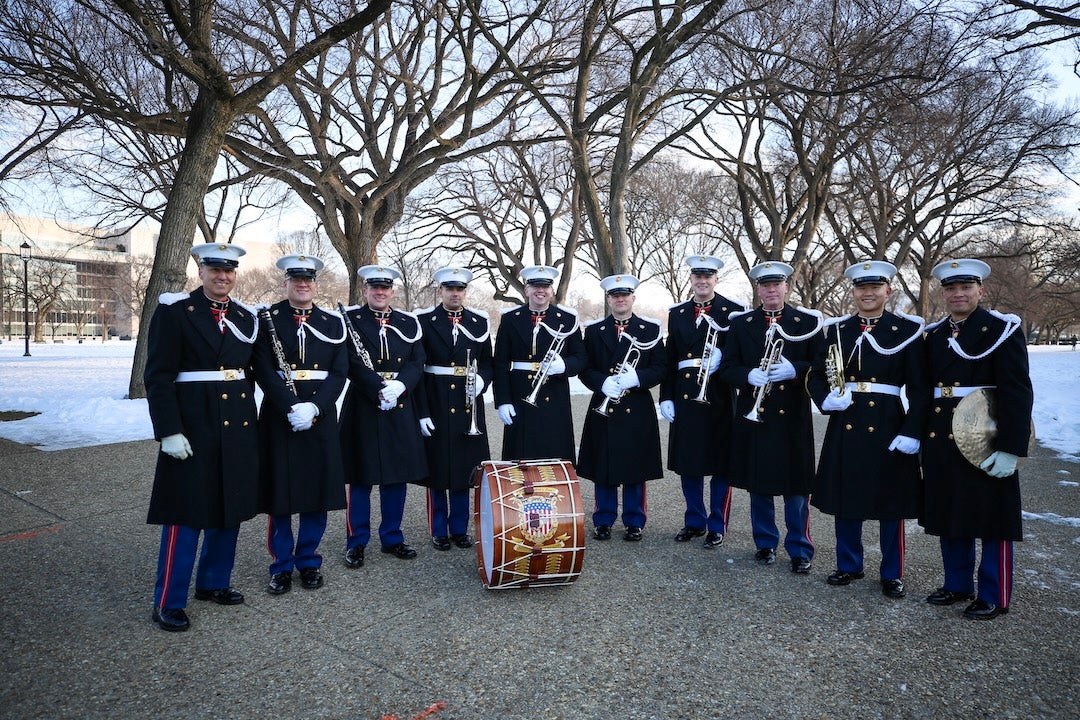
[(202, 405), (300, 449), (454, 338), (525, 335), (381, 440), (869, 468), (774, 456), (621, 447), (974, 348), (699, 440)]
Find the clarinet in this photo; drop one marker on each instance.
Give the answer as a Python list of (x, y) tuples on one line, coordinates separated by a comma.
[(361, 351), (279, 351)]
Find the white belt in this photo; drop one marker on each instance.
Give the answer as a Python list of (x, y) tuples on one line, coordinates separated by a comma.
[(873, 387), (959, 391), (533, 366), (210, 375), (307, 374), (695, 363), (457, 370)]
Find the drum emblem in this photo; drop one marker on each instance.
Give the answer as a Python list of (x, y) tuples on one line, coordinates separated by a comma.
[(539, 518)]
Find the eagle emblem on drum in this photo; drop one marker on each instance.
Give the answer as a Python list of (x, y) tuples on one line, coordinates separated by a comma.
[(539, 516)]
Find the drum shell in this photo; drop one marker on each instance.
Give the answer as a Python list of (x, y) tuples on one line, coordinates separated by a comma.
[(529, 522)]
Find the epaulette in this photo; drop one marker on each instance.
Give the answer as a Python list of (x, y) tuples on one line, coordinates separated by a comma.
[(424, 311), (259, 307), (913, 318), (481, 313), (653, 320), (566, 309), (503, 311), (672, 307), (595, 322), (837, 320), (1009, 318), (739, 313), (934, 324), (172, 298)]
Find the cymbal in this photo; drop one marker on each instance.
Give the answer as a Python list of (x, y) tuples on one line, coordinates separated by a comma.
[(974, 426)]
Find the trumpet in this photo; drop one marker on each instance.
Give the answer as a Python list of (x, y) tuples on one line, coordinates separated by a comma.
[(630, 360), (773, 350), (541, 375), (834, 366), (470, 393), (703, 371)]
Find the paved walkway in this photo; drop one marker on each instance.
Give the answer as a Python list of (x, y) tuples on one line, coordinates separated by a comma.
[(650, 630)]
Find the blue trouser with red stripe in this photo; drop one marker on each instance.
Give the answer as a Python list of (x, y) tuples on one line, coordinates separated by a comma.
[(797, 542), (716, 518), (287, 555), (995, 568), (448, 512), (607, 505), (849, 547), (176, 560), (358, 515)]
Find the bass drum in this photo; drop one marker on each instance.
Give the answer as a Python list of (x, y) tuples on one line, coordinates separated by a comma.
[(529, 522)]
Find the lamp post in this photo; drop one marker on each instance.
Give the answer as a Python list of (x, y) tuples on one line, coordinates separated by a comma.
[(103, 328), (24, 253)]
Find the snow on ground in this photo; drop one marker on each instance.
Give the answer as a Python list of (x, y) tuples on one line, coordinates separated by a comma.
[(80, 392)]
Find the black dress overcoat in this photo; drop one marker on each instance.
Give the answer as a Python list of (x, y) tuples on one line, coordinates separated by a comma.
[(775, 456), (622, 447), (959, 499), (383, 447), (858, 477), (301, 471), (699, 442), (217, 487), (547, 430), (452, 453)]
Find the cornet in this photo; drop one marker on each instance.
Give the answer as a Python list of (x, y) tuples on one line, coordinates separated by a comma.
[(703, 371), (773, 350), (834, 366), (541, 375), (630, 360), (470, 393)]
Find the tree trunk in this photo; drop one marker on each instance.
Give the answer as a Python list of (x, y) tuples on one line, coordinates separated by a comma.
[(210, 118)]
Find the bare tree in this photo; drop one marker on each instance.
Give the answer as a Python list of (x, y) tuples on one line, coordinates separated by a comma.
[(48, 280)]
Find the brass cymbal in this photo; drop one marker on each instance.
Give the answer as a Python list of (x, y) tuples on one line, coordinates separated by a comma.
[(974, 426)]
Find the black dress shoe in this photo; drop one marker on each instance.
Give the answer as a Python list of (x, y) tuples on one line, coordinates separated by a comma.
[(400, 550), (844, 578), (280, 583), (941, 596), (462, 540), (310, 578), (982, 610), (171, 619), (602, 532), (800, 565), (632, 534), (688, 533), (441, 542), (765, 556), (714, 539), (354, 557), (893, 588), (223, 596)]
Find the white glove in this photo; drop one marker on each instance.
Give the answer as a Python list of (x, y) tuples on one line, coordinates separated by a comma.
[(176, 446), (557, 366), (426, 427), (782, 370), (838, 403), (302, 416), (628, 379), (667, 409), (1000, 463), (905, 444), (757, 377), (507, 413), (611, 387), (387, 405), (714, 360), (479, 385), (392, 390)]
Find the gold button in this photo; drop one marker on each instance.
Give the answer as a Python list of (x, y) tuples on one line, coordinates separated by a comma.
[(685, 397), (873, 379), (627, 411), (781, 387), (871, 403), (852, 378), (315, 366), (847, 427), (689, 355), (781, 410), (453, 386), (245, 423), (939, 385), (243, 396), (453, 410), (293, 366), (401, 406), (221, 367), (950, 436), (224, 396), (933, 434), (956, 384), (937, 409), (687, 376), (226, 423), (870, 429)]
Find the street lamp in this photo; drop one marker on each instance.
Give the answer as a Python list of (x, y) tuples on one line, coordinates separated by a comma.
[(103, 328), (24, 253)]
